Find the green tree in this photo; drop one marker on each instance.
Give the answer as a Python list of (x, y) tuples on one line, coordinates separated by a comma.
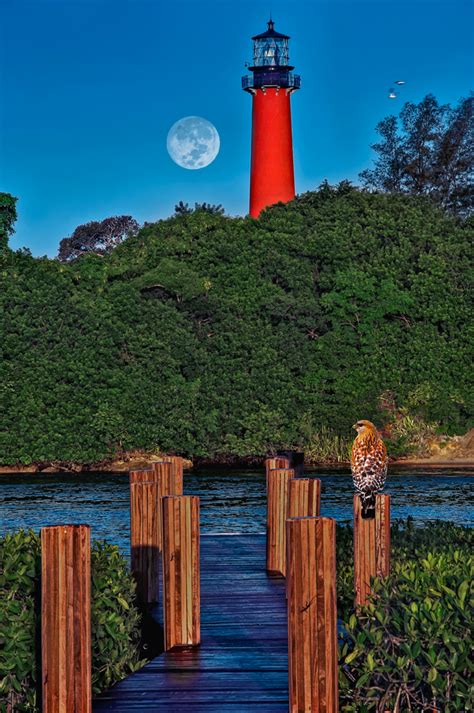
[(184, 209), (97, 237), (8, 217), (428, 150)]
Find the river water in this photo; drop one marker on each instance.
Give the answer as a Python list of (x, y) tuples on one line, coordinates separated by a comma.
[(232, 500)]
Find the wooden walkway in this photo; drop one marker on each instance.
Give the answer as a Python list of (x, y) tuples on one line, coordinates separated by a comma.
[(241, 665)]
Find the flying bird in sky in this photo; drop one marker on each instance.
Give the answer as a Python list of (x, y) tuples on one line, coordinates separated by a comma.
[(368, 464), (391, 91)]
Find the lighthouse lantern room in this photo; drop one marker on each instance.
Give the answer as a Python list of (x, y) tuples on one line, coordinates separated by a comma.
[(271, 83)]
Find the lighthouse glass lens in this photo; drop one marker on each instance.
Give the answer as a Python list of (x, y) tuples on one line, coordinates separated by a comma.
[(271, 52)]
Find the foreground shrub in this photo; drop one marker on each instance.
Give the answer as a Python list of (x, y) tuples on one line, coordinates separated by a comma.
[(408, 649), (20, 565), (115, 619)]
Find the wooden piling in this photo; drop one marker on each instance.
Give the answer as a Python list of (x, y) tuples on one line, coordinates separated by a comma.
[(160, 476), (142, 475), (176, 476), (304, 497), (181, 585), (274, 463), (169, 469), (277, 503), (145, 538), (304, 500), (312, 615), (371, 546), (162, 471), (66, 668), (168, 475)]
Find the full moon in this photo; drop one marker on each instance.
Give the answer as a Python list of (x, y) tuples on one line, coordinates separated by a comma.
[(193, 142)]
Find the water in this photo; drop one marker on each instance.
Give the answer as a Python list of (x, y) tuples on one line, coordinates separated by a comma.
[(231, 500)]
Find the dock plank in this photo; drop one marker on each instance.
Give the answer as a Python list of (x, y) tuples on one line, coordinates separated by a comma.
[(241, 665)]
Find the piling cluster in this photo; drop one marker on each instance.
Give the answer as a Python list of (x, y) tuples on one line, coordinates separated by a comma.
[(164, 530), (164, 533), (301, 546)]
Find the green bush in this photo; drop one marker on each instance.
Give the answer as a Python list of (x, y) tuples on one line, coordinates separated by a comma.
[(213, 336), (115, 619), (20, 566), (408, 649)]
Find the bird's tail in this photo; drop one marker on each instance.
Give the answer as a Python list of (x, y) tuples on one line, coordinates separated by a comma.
[(368, 505)]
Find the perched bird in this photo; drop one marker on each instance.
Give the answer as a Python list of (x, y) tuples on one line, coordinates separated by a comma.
[(368, 464)]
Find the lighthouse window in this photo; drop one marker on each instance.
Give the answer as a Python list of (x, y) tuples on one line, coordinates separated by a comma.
[(270, 52)]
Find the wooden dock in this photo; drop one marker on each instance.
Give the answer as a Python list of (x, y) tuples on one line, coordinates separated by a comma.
[(241, 665)]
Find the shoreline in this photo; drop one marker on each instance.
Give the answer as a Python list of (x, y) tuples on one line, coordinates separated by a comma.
[(121, 466)]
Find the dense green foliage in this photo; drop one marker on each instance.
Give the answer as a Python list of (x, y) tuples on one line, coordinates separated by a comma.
[(115, 619), (409, 649), (210, 335)]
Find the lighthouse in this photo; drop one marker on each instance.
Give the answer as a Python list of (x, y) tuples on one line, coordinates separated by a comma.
[(271, 84)]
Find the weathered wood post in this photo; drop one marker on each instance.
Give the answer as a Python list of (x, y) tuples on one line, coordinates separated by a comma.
[(139, 509), (168, 476), (181, 585), (137, 476), (169, 469), (304, 500), (304, 497), (277, 503), (273, 463), (312, 615), (371, 546), (176, 475), (145, 538), (66, 619)]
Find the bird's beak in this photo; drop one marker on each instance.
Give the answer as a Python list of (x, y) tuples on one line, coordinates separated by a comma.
[(354, 426)]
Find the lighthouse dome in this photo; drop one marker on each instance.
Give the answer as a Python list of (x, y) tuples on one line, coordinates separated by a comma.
[(271, 32), (270, 48)]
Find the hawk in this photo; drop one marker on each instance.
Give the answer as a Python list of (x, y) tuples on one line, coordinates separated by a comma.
[(368, 464)]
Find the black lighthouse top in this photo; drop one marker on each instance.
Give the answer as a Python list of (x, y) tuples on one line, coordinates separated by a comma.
[(271, 62)]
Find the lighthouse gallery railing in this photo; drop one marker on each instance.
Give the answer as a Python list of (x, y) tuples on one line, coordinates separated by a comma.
[(271, 79)]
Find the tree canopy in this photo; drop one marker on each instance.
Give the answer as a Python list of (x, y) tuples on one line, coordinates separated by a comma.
[(208, 335), (184, 208), (97, 237), (7, 218), (427, 150)]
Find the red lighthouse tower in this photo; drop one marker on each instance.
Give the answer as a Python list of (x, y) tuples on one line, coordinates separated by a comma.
[(271, 84)]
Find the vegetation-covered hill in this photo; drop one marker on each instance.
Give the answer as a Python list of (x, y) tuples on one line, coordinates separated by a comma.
[(213, 336)]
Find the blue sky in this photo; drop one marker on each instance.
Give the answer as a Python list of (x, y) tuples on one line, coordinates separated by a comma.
[(90, 88)]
